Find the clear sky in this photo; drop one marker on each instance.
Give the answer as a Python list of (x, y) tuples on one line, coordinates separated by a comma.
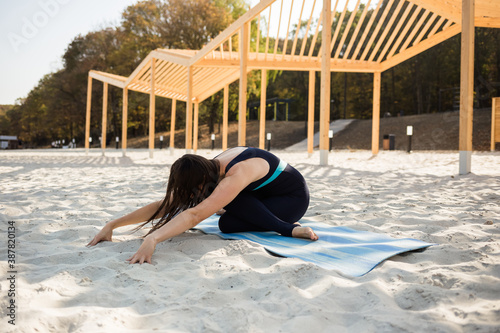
[(35, 33)]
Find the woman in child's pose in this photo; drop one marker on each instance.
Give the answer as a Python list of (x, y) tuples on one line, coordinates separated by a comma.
[(253, 190)]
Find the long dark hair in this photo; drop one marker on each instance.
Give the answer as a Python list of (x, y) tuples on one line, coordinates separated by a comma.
[(192, 179)]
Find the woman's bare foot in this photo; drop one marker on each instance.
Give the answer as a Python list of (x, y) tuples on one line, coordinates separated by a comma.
[(304, 232)]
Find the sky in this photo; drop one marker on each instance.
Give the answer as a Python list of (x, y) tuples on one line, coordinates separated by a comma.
[(34, 35)]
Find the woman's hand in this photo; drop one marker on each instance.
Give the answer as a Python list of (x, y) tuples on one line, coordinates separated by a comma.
[(105, 234), (145, 252)]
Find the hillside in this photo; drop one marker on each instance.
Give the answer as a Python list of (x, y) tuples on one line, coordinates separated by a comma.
[(438, 131), (431, 132), (284, 134)]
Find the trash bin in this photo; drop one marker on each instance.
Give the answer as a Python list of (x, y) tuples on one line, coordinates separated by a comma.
[(392, 141), (385, 142)]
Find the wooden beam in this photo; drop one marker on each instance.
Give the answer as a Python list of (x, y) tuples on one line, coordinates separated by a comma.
[(419, 48), (238, 24), (376, 113), (225, 116), (425, 29), (324, 118), (310, 112), (257, 41), (228, 78), (297, 30), (304, 40), (163, 73), (385, 11), (346, 31), (366, 30), (397, 31), (339, 24), (263, 104), (307, 64), (315, 36), (124, 119), (488, 22), (115, 80), (411, 36), (356, 31), (169, 74), (138, 70), (447, 9), (195, 127), (161, 68), (104, 116), (436, 27), (172, 125), (189, 110), (87, 116), (384, 32), (268, 29), (152, 109), (288, 30), (466, 87), (175, 58), (277, 40), (242, 112)]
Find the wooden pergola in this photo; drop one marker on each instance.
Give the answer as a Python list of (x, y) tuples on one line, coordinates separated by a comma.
[(266, 38)]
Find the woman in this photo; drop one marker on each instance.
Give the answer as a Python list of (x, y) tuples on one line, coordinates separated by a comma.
[(250, 187)]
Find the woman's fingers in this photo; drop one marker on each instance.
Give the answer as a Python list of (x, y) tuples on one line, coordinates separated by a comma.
[(92, 242), (139, 259)]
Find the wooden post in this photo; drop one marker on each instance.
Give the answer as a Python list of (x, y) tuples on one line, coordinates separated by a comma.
[(376, 113), (225, 116), (242, 112), (310, 113), (104, 116), (195, 127), (172, 126), (189, 110), (493, 109), (152, 111), (124, 120), (87, 118), (324, 118), (263, 104), (466, 87), (495, 122)]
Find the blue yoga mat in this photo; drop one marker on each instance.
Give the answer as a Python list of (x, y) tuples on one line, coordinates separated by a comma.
[(351, 252)]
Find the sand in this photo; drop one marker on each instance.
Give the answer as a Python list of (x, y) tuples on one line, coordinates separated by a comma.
[(58, 200)]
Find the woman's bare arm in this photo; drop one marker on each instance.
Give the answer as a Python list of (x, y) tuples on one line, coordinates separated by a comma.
[(140, 215)]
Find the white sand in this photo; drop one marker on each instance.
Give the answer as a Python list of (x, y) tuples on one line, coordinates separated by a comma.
[(200, 283)]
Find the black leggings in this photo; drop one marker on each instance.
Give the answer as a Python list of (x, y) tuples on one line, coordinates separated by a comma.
[(247, 212)]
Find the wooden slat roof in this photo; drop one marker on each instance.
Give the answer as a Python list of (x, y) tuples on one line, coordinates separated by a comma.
[(395, 31)]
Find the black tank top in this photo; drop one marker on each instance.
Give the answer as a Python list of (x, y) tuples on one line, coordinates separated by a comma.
[(249, 153)]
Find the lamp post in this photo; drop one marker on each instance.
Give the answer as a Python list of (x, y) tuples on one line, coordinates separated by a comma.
[(90, 142), (161, 142), (268, 137), (213, 141), (409, 133), (330, 135), (117, 140)]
